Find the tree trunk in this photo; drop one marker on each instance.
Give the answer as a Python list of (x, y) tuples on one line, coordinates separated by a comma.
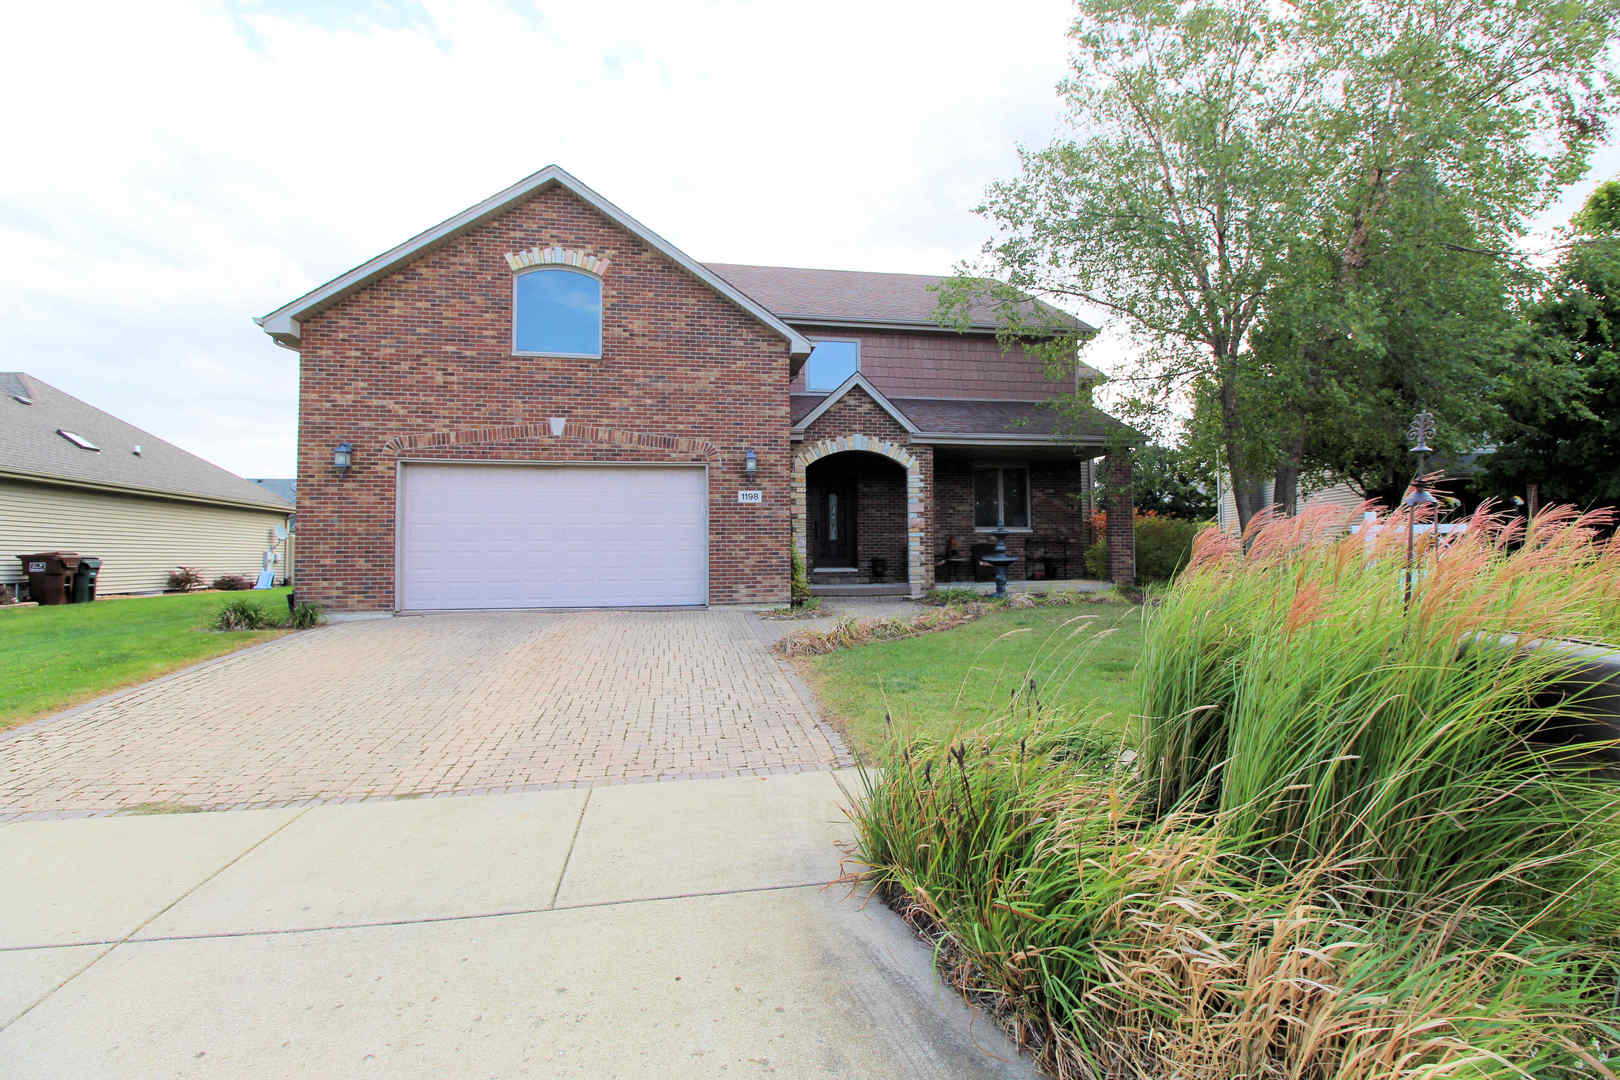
[(1248, 490), (1285, 488), (1285, 485)]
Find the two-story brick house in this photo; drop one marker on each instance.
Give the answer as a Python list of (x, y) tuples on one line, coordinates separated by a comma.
[(541, 402)]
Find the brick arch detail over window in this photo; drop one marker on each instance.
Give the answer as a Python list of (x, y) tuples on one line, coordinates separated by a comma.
[(916, 510), (557, 256), (541, 429)]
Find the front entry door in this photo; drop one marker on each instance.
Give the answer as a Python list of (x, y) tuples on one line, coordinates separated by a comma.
[(835, 526)]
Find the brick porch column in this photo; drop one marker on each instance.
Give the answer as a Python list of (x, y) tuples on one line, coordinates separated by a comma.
[(1121, 527)]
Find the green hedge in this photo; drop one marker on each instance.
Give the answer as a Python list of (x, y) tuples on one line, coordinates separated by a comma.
[(1163, 545)]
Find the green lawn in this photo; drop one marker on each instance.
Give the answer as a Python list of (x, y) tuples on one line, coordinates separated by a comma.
[(1080, 658), (53, 657)]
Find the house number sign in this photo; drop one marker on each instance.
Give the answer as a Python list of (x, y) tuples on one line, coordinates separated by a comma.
[(754, 498)]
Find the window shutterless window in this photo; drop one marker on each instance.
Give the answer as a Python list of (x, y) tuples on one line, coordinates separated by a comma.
[(557, 312), (1001, 490), (830, 363)]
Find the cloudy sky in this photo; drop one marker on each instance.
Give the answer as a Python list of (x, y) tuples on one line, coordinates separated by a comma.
[(176, 168)]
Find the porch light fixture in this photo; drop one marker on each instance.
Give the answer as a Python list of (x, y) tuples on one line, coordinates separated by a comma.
[(342, 458), (750, 462)]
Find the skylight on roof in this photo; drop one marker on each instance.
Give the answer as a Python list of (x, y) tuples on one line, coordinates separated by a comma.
[(78, 440)]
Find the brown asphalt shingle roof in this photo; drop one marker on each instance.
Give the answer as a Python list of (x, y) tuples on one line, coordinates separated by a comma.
[(30, 446), (795, 294), (936, 416)]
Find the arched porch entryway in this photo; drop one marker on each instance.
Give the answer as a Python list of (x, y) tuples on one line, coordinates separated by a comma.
[(859, 513)]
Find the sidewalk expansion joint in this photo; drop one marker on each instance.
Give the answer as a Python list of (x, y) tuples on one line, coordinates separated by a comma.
[(423, 920), (572, 840), (113, 943)]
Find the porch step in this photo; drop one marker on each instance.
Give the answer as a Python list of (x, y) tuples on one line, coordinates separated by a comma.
[(880, 589)]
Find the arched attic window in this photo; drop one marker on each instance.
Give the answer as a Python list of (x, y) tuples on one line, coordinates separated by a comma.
[(556, 311)]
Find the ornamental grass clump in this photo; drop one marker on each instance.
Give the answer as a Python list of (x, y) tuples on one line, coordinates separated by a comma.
[(1292, 690), (1339, 849)]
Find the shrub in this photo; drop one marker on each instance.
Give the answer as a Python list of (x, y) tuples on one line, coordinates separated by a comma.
[(232, 583), (242, 614), (1163, 546), (184, 579), (799, 584), (952, 594), (305, 616), (1339, 852)]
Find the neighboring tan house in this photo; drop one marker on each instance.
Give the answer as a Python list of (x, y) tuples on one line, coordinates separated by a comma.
[(1339, 495), (285, 487), (73, 478), (541, 402)]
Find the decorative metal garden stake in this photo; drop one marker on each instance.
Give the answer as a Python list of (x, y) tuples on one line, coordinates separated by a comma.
[(999, 557), (1419, 434)]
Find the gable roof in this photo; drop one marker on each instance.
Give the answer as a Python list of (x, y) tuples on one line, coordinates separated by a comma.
[(31, 447), (1012, 420), (282, 323), (845, 387), (864, 298), (980, 421), (285, 487)]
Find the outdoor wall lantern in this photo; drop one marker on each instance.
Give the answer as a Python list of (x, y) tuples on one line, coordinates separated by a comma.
[(342, 458), (750, 462)]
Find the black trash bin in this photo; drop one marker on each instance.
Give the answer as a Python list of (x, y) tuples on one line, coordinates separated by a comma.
[(49, 574), (84, 579)]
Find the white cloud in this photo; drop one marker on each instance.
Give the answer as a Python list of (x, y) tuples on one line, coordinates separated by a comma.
[(176, 167)]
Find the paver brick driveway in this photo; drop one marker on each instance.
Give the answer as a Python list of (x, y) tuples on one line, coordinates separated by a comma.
[(431, 705)]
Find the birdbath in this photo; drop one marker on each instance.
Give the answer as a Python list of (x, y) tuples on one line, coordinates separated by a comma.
[(999, 557)]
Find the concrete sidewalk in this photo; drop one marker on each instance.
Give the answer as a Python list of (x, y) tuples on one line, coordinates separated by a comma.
[(676, 929)]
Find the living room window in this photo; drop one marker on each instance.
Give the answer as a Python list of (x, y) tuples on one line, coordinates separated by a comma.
[(998, 490), (830, 363), (556, 312)]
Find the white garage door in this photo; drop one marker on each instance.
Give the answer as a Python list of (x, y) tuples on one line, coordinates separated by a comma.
[(511, 536)]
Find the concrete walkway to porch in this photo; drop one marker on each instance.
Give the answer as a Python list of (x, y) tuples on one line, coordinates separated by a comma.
[(677, 929)]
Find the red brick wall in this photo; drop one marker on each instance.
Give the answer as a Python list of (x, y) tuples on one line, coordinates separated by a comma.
[(428, 349), (856, 413), (1121, 519), (1059, 506), (922, 363)]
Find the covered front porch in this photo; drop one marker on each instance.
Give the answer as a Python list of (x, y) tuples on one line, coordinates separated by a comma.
[(894, 497), (1041, 497), (873, 525), (983, 588), (857, 540)]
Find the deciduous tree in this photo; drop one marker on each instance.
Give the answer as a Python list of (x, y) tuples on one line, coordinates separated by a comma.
[(1242, 164), (1564, 403)]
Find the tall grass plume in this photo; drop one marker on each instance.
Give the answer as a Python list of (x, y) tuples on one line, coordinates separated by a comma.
[(1344, 847)]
